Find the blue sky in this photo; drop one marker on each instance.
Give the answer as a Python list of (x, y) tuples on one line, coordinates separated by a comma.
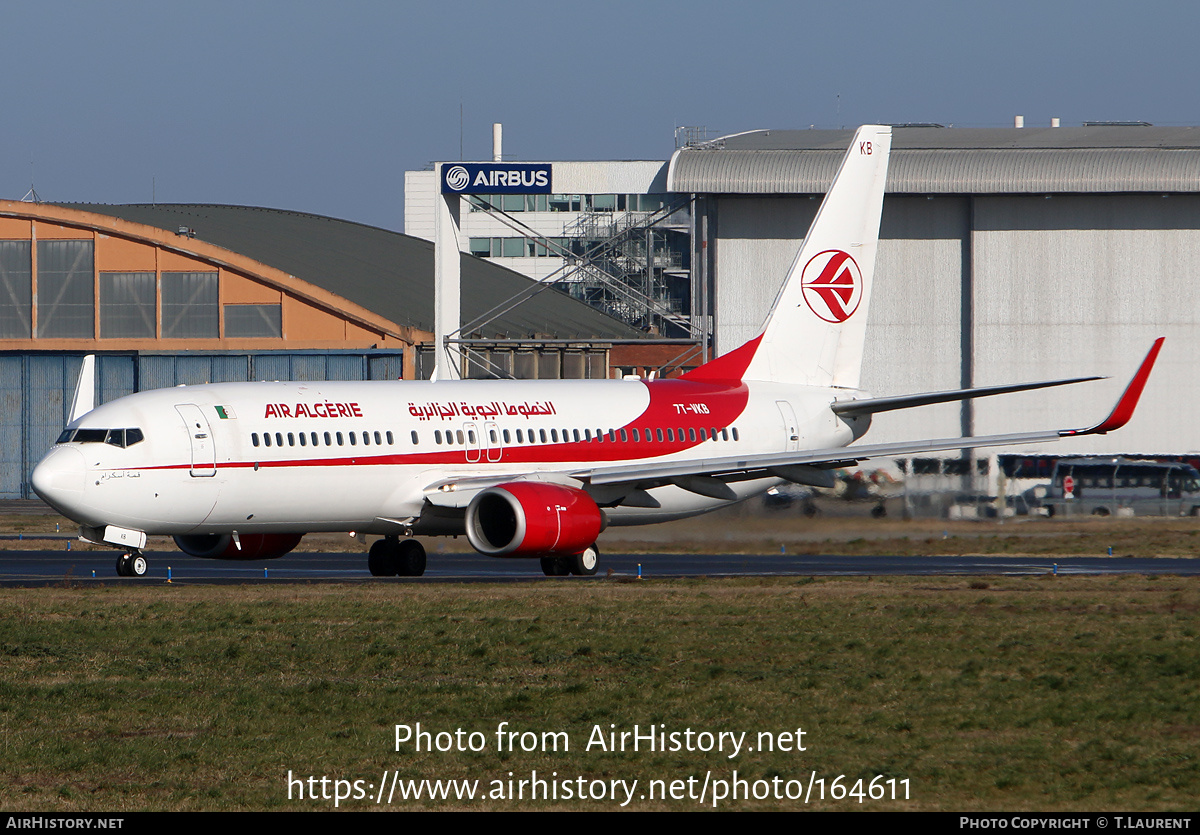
[(321, 106)]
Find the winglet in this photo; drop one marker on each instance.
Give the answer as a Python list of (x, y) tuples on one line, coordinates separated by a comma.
[(1123, 411), (85, 390)]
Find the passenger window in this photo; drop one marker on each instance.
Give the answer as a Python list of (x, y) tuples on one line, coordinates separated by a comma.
[(492, 435), (542, 432), (691, 434), (576, 436), (659, 434), (670, 434), (506, 437), (366, 438), (735, 434), (254, 438), (624, 435), (328, 439), (437, 437), (314, 439), (339, 438), (267, 438), (353, 439), (471, 436), (378, 441), (291, 439), (554, 435), (520, 437), (459, 433), (303, 439), (278, 439), (414, 437)]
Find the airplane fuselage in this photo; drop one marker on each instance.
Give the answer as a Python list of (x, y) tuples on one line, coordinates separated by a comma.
[(338, 456)]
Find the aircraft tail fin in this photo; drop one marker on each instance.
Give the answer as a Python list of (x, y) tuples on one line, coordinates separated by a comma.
[(815, 331), (85, 390)]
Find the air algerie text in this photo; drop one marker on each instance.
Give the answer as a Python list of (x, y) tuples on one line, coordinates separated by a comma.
[(313, 410)]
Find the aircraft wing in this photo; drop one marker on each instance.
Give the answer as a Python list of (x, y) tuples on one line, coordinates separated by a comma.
[(626, 483), (711, 476)]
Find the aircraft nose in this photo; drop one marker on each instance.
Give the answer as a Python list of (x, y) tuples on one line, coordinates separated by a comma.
[(59, 478)]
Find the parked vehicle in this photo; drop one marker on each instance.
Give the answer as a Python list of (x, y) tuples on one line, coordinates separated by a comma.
[(1122, 486)]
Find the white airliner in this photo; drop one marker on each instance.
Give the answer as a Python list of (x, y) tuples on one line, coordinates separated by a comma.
[(523, 468)]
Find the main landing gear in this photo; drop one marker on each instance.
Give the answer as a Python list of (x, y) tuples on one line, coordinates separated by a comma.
[(583, 564), (392, 557), (131, 565)]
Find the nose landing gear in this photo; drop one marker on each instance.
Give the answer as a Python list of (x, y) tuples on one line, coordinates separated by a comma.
[(131, 565)]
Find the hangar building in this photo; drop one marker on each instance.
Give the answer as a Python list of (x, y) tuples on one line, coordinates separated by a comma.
[(186, 294), (1006, 255)]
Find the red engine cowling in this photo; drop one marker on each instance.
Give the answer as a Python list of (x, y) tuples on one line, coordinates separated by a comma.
[(220, 546), (532, 519)]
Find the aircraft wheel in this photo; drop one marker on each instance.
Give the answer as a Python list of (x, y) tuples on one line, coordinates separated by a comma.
[(555, 567), (878, 511), (410, 558), (381, 559), (585, 563), (1100, 511), (131, 565)]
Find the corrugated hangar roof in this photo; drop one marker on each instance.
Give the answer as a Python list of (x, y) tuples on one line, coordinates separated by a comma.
[(386, 272), (930, 160)]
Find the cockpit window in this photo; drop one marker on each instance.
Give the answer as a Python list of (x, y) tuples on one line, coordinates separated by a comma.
[(117, 437)]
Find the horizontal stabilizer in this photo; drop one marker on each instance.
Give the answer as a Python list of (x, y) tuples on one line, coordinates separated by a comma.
[(870, 406)]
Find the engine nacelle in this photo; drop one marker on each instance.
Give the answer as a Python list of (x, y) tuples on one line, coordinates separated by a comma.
[(220, 546), (532, 519)]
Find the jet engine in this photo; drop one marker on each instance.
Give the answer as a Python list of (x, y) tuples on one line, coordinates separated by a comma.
[(532, 519), (221, 546)]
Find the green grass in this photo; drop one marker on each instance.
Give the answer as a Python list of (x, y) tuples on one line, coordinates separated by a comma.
[(1029, 694)]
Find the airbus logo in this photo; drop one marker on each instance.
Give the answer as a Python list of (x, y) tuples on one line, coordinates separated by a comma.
[(457, 178), (832, 285), (497, 178)]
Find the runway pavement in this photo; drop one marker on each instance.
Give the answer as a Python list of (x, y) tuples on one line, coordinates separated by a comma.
[(49, 567)]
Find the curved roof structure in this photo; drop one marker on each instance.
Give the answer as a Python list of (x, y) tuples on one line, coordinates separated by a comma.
[(930, 160), (385, 272)]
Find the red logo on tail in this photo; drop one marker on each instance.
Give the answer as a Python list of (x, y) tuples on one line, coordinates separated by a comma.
[(832, 285)]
